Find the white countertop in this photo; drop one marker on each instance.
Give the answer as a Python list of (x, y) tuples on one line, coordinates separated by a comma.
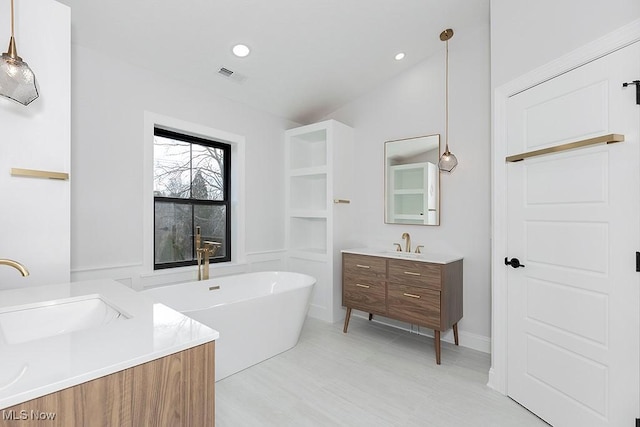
[(432, 257), (34, 368)]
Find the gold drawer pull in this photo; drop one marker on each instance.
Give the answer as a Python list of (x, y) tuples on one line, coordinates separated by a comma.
[(412, 273), (363, 266), (411, 295), (362, 286)]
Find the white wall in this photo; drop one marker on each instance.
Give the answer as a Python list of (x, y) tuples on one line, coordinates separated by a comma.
[(527, 34), (34, 213), (412, 104), (109, 99)]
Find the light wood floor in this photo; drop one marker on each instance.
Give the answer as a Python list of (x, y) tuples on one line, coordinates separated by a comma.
[(372, 376)]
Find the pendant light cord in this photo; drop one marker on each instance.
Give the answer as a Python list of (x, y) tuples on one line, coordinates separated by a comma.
[(446, 97), (11, 18)]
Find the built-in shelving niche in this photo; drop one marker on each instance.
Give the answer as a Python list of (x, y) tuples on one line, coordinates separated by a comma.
[(308, 235), (319, 168), (309, 150), (308, 193)]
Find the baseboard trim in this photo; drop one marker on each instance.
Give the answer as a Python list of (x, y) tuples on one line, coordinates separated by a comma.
[(318, 312), (495, 382)]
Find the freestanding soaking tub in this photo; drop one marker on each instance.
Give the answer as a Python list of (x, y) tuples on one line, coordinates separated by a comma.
[(258, 315)]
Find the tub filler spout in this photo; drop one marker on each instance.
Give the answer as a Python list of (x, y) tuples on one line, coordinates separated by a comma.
[(204, 251)]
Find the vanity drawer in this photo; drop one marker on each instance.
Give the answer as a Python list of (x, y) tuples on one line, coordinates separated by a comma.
[(415, 273), (365, 295), (417, 305), (366, 266)]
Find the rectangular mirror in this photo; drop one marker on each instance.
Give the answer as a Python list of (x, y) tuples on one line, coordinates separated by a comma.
[(412, 181)]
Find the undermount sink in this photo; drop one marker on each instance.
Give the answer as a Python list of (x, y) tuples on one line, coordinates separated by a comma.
[(410, 255), (19, 324), (429, 256)]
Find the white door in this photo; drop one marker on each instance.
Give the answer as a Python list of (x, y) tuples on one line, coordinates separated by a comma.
[(573, 221)]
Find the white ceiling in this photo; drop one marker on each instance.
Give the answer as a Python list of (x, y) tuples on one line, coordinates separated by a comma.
[(308, 58)]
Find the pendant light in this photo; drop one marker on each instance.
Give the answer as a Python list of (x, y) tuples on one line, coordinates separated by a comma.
[(448, 160), (17, 81)]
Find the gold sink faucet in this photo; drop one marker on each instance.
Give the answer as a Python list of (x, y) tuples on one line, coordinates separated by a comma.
[(15, 264), (204, 251), (407, 247)]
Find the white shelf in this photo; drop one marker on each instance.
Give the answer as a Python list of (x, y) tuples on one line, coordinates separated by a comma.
[(316, 170), (300, 213), (411, 217), (410, 221), (409, 191)]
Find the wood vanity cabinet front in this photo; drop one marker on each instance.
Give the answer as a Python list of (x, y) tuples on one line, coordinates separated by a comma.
[(363, 283), (420, 293), (175, 390)]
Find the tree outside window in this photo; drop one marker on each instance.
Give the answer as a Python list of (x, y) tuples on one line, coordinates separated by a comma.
[(191, 188)]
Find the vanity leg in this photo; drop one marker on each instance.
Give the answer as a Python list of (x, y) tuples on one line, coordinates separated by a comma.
[(346, 320), (455, 333), (370, 316), (436, 338)]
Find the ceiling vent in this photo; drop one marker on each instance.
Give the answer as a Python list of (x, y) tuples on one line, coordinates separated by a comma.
[(231, 75), (225, 72)]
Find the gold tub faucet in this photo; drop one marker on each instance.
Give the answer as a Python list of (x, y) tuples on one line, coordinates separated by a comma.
[(204, 251), (15, 264)]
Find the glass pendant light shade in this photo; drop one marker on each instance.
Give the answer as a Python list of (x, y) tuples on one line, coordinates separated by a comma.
[(17, 81), (448, 161)]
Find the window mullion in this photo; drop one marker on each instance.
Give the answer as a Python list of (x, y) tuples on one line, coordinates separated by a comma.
[(193, 210)]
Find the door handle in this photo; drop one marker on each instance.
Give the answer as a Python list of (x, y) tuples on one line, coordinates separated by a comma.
[(515, 262)]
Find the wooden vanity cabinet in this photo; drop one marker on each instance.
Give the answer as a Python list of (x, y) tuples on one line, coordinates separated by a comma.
[(417, 292), (364, 284), (175, 390)]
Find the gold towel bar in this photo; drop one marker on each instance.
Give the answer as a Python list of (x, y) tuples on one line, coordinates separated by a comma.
[(39, 174), (604, 139)]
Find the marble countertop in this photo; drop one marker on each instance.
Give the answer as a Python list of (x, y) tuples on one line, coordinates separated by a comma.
[(41, 366), (432, 257)]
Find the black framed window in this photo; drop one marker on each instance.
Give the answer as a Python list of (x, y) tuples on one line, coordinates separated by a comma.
[(191, 187)]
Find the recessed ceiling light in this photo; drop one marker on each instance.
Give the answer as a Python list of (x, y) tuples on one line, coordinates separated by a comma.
[(399, 56), (241, 50)]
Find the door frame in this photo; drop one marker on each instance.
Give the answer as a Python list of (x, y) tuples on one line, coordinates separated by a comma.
[(618, 39)]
